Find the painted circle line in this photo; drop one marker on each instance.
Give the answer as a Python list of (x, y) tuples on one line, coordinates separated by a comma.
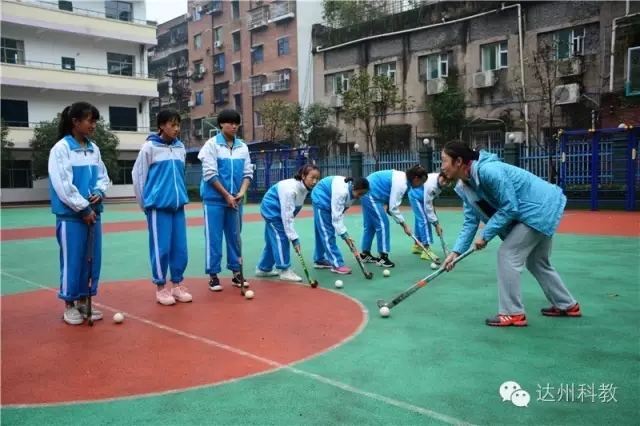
[(47, 362)]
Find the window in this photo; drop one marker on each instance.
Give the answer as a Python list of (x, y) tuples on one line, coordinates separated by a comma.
[(119, 64), (237, 100), (256, 85), (284, 79), (65, 5), (17, 175), (236, 41), (199, 98), (340, 83), (197, 13), (124, 176), (257, 119), (197, 41), (123, 118), (218, 63), (437, 66), (633, 71), (494, 56), (569, 43), (237, 71), (283, 46), (217, 34), (388, 69), (120, 10), (68, 63), (235, 9), (257, 54), (15, 112), (221, 93), (12, 51)]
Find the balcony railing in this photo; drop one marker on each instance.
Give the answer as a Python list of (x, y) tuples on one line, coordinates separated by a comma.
[(84, 70), (258, 18), (159, 54), (86, 12), (281, 10)]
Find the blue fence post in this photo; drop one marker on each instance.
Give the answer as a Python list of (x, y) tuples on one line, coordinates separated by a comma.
[(563, 164), (595, 167), (632, 152)]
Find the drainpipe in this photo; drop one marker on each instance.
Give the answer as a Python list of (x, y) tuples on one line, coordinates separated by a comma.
[(524, 89)]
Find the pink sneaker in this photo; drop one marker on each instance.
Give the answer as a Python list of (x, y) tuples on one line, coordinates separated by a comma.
[(322, 265), (164, 297), (343, 270), (181, 294)]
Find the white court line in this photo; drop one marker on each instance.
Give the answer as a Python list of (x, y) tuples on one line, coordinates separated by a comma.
[(278, 366)]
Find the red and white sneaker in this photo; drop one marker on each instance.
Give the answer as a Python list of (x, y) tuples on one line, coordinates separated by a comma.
[(552, 311), (507, 320)]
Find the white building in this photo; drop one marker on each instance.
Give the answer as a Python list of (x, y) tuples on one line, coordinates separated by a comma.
[(56, 53)]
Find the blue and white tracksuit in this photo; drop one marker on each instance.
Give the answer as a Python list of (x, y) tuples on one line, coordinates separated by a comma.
[(279, 206), (160, 188), (421, 200), (229, 166), (75, 174), (331, 197), (385, 187)]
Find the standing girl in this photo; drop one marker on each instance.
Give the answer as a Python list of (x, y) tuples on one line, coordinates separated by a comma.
[(421, 200), (161, 191), (331, 198), (78, 181), (386, 187), (524, 211), (279, 206)]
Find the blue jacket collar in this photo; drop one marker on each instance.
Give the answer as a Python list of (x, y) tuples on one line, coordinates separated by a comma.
[(158, 141), (74, 145), (220, 140)]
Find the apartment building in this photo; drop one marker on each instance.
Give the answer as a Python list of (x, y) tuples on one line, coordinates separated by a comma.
[(54, 54), (169, 63), (489, 47), (244, 52)]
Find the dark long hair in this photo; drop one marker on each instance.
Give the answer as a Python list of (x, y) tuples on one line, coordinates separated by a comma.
[(358, 184), (460, 149), (79, 111), (305, 170)]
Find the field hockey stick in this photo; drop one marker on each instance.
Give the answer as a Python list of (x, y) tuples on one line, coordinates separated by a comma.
[(423, 282), (240, 261), (444, 246), (368, 275), (424, 249), (312, 283), (90, 240)]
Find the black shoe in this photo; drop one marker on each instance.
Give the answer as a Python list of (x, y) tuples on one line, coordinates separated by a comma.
[(367, 257), (235, 281), (214, 284), (384, 261)]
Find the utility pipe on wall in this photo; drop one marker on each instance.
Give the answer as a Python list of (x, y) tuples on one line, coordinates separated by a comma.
[(440, 24)]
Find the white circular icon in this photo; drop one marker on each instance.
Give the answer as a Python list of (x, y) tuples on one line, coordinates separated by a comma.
[(512, 391)]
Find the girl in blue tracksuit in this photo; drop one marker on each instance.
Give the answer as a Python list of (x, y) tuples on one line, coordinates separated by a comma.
[(279, 206), (78, 181), (386, 187), (524, 211), (424, 213), (161, 192), (226, 174), (331, 198)]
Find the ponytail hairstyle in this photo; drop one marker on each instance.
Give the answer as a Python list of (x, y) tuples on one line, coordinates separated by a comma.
[(416, 171), (358, 184), (460, 149), (305, 170), (78, 111)]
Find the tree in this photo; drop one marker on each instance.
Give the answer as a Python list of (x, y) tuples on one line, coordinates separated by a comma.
[(6, 153), (338, 14), (45, 136), (448, 110), (368, 101), (316, 130), (273, 114)]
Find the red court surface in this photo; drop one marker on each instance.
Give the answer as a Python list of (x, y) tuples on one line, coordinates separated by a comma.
[(163, 348)]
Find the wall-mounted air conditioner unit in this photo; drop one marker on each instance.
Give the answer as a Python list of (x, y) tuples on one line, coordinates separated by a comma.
[(435, 86), (566, 94), (218, 44), (191, 104), (483, 79), (268, 87), (337, 101)]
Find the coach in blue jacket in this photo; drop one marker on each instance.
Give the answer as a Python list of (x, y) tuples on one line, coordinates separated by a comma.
[(524, 211)]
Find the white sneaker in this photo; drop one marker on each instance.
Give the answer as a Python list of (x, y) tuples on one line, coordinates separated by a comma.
[(72, 316), (164, 297), (260, 273), (289, 275)]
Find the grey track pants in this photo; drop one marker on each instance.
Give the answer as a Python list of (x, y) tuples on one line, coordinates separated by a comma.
[(526, 246)]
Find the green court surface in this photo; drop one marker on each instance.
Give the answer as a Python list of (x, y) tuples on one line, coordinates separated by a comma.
[(432, 362)]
